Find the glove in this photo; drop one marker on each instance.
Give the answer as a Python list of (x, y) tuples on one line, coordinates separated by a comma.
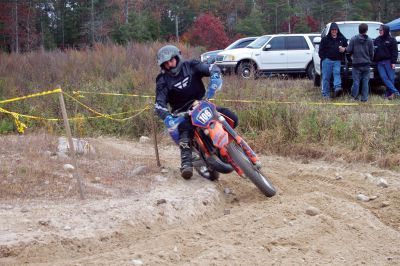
[(214, 85), (172, 125), (172, 122)]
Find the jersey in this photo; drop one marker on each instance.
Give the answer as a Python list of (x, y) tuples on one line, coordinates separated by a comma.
[(178, 91)]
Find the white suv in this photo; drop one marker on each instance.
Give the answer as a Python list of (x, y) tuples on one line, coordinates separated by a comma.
[(270, 54)]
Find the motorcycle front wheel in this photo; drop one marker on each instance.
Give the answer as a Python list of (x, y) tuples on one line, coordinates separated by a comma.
[(255, 175)]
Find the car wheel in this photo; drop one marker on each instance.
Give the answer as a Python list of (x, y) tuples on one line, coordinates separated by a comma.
[(247, 70), (310, 71)]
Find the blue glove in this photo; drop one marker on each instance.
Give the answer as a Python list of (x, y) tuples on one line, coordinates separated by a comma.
[(214, 85), (172, 122)]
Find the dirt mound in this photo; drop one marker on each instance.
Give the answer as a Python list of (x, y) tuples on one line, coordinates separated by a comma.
[(138, 214)]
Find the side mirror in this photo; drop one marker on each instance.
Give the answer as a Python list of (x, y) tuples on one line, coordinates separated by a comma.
[(317, 40), (267, 47)]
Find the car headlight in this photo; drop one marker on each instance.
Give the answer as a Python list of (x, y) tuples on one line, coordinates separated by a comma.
[(229, 58)]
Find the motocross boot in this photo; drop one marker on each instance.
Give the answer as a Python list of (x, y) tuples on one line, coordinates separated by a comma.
[(186, 159)]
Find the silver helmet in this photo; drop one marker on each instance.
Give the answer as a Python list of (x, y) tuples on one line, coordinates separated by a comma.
[(168, 52)]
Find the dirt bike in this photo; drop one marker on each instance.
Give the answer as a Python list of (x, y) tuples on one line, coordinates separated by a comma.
[(219, 147)]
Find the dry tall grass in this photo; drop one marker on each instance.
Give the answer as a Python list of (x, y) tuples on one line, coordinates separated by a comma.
[(364, 132)]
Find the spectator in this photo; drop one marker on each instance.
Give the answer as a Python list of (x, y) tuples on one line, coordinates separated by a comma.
[(331, 52), (361, 47), (385, 56)]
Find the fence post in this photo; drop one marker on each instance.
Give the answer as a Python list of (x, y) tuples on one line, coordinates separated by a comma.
[(70, 141), (153, 122)]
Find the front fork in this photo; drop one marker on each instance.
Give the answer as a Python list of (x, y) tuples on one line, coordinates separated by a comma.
[(239, 140)]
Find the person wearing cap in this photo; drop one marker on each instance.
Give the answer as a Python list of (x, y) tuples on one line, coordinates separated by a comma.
[(178, 85), (386, 53), (361, 48), (331, 52)]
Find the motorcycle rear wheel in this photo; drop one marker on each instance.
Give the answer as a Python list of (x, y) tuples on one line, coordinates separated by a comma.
[(207, 173), (200, 165), (255, 175)]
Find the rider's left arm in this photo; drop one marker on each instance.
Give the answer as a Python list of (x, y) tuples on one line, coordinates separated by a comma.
[(212, 71)]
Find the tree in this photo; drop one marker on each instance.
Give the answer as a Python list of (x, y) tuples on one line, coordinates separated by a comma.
[(251, 25), (140, 28), (312, 24), (6, 20), (17, 27), (208, 31)]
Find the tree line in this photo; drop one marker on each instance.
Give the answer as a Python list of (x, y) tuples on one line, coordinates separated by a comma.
[(27, 25)]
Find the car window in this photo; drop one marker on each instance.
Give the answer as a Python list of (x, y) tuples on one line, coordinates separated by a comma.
[(351, 29), (243, 44), (311, 37), (232, 45), (296, 43), (259, 42), (277, 43), (238, 44)]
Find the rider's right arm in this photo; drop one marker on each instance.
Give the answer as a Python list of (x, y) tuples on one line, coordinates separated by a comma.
[(161, 104)]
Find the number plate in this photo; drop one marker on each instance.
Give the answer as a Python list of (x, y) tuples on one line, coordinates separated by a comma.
[(204, 115)]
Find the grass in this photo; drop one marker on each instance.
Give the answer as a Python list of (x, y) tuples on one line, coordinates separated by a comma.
[(289, 120), (364, 132)]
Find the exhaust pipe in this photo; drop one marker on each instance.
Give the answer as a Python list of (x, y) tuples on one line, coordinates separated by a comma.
[(215, 163)]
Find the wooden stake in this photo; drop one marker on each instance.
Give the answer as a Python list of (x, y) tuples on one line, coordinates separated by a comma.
[(71, 143), (153, 122)]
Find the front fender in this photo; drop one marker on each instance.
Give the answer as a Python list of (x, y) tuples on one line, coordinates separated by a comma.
[(218, 135)]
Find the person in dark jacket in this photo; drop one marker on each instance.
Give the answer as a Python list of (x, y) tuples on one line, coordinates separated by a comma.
[(331, 52), (178, 85), (386, 53), (361, 47)]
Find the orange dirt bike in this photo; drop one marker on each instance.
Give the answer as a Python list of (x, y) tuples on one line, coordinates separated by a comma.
[(220, 148)]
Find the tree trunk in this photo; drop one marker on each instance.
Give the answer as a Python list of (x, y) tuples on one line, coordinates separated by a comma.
[(126, 12), (41, 33), (28, 27), (177, 27), (62, 11), (92, 23), (16, 28)]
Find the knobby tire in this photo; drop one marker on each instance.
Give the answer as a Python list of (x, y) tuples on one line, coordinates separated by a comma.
[(239, 157)]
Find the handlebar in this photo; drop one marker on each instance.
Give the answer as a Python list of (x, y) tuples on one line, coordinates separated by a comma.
[(188, 112)]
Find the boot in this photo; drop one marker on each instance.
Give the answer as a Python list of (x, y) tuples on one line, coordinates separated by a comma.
[(186, 159)]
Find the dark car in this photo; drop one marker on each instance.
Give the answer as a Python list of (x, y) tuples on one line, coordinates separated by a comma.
[(209, 57)]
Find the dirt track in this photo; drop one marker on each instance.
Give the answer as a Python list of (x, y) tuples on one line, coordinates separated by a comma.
[(198, 222)]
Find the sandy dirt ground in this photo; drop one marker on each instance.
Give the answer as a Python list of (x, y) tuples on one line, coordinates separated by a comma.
[(138, 214)]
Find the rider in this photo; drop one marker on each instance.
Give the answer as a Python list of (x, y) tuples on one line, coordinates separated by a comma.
[(178, 84)]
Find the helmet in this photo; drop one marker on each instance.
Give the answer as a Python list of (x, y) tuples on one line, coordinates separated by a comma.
[(168, 52)]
